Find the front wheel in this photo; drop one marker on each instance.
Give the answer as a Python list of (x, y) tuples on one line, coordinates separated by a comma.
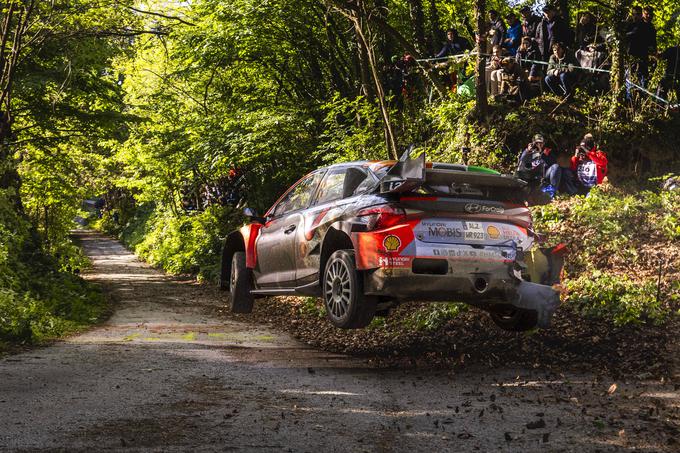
[(514, 319), (343, 294)]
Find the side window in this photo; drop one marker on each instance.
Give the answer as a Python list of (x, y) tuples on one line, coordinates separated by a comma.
[(299, 196), (331, 186), (343, 183)]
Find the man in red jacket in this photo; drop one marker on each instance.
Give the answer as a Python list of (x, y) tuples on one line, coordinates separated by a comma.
[(588, 167)]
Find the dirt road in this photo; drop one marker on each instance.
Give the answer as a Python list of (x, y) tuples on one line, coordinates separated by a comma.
[(165, 374)]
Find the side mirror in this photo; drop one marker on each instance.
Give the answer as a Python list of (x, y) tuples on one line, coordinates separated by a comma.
[(253, 216)]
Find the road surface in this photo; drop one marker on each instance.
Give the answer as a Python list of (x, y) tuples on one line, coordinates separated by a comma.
[(165, 373)]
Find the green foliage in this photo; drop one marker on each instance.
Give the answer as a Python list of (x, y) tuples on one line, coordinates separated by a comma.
[(37, 300), (433, 316), (618, 297), (617, 241), (189, 243)]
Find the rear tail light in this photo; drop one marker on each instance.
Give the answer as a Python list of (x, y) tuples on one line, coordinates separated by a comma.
[(383, 216)]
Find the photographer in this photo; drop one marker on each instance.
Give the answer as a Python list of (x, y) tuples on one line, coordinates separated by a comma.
[(538, 166), (588, 167)]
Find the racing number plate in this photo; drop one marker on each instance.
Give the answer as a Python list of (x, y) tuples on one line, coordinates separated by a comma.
[(473, 231)]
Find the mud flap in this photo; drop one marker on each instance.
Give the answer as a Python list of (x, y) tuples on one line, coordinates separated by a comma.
[(543, 299)]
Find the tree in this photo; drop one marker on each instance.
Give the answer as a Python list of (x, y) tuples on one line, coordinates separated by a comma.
[(480, 67)]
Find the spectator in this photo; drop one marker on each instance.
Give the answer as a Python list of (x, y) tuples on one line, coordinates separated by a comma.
[(648, 17), (513, 81), (588, 167), (538, 166), (530, 22), (513, 35), (528, 50), (639, 36), (454, 45), (561, 77), (493, 70), (496, 28), (553, 29), (671, 78), (586, 31)]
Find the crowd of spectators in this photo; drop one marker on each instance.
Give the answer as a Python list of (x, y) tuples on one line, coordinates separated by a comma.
[(530, 54)]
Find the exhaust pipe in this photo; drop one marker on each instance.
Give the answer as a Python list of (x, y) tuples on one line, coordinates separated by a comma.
[(480, 284)]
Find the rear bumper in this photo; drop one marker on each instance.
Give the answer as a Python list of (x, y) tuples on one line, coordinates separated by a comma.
[(399, 264), (483, 290)]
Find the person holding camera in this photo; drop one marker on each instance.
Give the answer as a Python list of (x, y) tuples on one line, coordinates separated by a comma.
[(538, 166), (588, 167)]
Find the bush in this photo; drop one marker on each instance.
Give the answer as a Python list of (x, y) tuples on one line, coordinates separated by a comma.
[(39, 296), (622, 263)]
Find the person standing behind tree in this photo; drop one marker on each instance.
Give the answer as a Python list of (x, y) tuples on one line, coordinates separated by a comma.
[(530, 22), (513, 35), (586, 31), (496, 28), (648, 17), (561, 76), (671, 78)]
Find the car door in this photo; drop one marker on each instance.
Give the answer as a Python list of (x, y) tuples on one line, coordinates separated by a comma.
[(277, 242), (336, 190)]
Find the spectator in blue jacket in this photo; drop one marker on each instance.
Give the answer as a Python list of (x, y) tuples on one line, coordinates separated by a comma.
[(513, 34)]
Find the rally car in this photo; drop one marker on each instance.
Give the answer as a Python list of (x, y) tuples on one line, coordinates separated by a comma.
[(366, 236)]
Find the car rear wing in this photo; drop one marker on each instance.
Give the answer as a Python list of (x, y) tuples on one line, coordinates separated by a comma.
[(410, 173)]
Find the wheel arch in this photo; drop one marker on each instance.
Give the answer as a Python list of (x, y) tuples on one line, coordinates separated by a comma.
[(232, 244), (334, 240)]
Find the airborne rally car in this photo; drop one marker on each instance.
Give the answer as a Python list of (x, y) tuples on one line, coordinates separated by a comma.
[(365, 236)]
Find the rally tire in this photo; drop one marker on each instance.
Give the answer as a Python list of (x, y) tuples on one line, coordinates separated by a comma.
[(240, 284), (347, 307), (515, 319)]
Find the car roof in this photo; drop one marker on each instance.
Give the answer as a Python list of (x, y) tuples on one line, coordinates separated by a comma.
[(376, 165)]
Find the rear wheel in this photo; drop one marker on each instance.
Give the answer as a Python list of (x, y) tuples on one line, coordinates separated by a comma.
[(515, 319), (240, 285), (343, 294)]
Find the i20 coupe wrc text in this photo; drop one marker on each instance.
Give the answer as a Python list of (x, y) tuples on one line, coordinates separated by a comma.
[(365, 236)]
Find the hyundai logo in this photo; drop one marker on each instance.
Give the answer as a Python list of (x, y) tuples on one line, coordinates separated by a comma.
[(476, 208)]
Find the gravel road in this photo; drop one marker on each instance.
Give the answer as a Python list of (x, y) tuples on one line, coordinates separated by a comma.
[(165, 373)]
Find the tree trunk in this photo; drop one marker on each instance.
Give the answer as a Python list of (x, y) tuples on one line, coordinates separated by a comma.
[(435, 36), (618, 74), (418, 23), (366, 41), (480, 67)]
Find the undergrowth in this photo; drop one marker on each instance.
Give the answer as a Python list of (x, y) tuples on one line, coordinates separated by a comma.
[(40, 296)]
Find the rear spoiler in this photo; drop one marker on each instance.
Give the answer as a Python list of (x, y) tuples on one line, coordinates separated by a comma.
[(409, 173)]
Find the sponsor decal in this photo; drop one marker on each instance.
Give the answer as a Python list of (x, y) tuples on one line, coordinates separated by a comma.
[(493, 232), (391, 243), (476, 208), (394, 261)]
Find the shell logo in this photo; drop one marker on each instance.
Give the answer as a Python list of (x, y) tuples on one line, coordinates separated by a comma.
[(493, 232), (391, 243)]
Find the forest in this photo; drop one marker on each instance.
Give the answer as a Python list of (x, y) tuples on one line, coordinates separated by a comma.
[(176, 115)]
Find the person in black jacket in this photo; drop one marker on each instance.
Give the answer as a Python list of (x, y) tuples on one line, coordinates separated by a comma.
[(639, 36), (454, 44), (538, 166), (671, 78), (552, 29), (496, 28)]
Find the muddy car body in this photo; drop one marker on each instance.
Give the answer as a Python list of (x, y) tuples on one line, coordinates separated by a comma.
[(365, 236)]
